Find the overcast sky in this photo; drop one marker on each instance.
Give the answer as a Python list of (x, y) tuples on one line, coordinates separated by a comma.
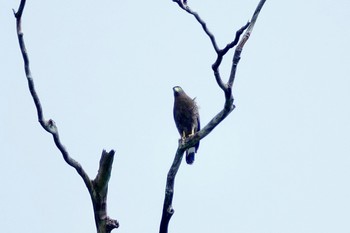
[(104, 71)]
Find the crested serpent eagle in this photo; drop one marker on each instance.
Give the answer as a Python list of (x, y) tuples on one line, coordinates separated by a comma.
[(186, 118)]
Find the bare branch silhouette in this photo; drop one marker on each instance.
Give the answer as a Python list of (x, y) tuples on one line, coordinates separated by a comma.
[(97, 187), (168, 210)]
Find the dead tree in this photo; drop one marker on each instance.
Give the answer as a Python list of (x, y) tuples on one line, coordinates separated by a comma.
[(229, 106), (97, 187)]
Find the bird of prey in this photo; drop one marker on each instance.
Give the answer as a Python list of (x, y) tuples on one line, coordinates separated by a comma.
[(186, 118)]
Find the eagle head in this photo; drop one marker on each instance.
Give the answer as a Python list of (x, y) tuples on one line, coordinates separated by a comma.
[(178, 90)]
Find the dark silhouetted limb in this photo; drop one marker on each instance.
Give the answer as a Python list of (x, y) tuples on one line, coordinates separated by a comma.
[(99, 186), (168, 210)]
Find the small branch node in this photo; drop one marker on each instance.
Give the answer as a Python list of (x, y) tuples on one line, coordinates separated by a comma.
[(171, 210), (111, 224), (50, 126)]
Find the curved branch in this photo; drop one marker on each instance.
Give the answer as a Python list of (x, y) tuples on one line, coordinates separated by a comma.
[(205, 28), (99, 186), (200, 21), (48, 125), (229, 46), (220, 56), (168, 210)]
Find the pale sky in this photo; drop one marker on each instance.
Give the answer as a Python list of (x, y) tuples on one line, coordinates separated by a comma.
[(104, 71)]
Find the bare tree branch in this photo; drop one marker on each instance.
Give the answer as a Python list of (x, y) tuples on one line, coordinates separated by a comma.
[(241, 44), (168, 210), (204, 26), (97, 187), (104, 224), (221, 53)]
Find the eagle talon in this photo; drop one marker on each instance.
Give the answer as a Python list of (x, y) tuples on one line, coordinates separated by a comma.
[(183, 136), (192, 133)]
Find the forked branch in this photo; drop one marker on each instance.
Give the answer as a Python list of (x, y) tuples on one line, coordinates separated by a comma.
[(168, 210), (97, 187)]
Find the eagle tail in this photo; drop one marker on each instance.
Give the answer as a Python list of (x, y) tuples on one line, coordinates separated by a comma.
[(190, 155)]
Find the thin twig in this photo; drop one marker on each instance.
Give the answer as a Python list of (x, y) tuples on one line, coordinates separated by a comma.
[(204, 26), (220, 55), (229, 46)]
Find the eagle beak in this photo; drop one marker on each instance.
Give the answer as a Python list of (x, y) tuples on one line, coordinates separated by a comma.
[(177, 89)]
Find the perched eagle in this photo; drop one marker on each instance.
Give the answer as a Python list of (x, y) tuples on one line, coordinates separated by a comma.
[(186, 118)]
